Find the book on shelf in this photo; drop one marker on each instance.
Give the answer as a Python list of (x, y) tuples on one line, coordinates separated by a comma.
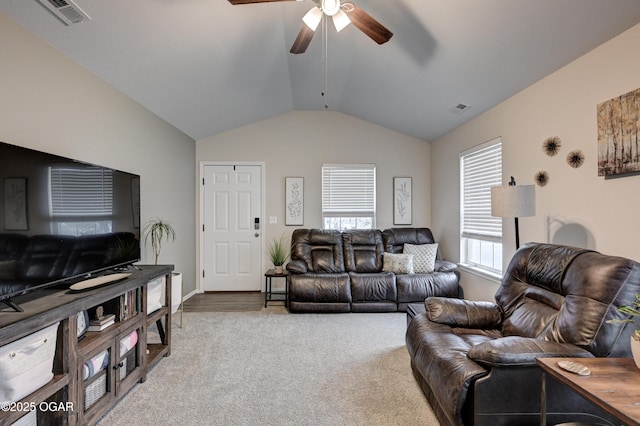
[(103, 320), (101, 326), (124, 306)]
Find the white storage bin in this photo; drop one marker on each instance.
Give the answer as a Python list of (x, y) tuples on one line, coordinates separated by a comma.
[(155, 292), (27, 364), (30, 419), (176, 292)]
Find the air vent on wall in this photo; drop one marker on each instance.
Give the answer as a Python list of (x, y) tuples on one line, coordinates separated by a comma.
[(65, 10)]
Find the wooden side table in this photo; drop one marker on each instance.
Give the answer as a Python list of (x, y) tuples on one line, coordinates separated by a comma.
[(613, 385), (276, 296)]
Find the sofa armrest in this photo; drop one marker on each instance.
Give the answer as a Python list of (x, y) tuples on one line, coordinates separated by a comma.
[(522, 351), (297, 267), (463, 313), (444, 266)]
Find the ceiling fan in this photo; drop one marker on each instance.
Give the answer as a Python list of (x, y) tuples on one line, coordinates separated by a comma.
[(342, 14)]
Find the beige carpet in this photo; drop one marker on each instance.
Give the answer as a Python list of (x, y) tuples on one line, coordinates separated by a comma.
[(275, 368)]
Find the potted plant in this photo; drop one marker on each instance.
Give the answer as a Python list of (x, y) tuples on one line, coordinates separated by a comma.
[(633, 311), (278, 252), (157, 230)]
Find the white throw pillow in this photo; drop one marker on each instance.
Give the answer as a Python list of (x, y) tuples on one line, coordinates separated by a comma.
[(397, 263), (424, 256)]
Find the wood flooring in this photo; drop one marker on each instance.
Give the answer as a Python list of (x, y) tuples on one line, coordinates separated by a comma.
[(241, 301)]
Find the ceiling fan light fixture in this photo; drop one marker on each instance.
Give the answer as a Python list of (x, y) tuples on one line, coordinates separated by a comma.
[(341, 20), (330, 7), (312, 18)]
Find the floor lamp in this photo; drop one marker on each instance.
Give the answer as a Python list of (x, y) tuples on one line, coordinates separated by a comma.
[(513, 201)]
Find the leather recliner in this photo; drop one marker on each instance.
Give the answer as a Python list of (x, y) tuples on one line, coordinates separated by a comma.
[(318, 280), (476, 361), (413, 287)]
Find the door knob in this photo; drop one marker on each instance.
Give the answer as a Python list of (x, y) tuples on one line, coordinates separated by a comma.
[(256, 235)]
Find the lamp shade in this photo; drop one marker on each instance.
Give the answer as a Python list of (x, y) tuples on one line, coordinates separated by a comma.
[(513, 201), (341, 20), (312, 18)]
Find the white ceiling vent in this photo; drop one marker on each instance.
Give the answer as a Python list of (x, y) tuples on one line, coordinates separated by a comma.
[(460, 108), (66, 11)]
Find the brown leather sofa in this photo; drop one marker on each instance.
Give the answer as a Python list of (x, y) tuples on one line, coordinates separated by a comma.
[(332, 271), (476, 361)]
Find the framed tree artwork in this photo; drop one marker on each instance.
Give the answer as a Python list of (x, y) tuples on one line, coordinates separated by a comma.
[(294, 201), (618, 135), (402, 193)]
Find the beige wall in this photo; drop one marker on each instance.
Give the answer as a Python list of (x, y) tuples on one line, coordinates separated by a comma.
[(576, 207), (299, 142), (52, 104)]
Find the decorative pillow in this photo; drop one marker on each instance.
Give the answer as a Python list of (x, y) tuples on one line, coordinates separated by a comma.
[(424, 256), (397, 263)]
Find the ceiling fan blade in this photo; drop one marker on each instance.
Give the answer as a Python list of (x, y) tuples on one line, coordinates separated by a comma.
[(254, 1), (302, 41), (365, 23)]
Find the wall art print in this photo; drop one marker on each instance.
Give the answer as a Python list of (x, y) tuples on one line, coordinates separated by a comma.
[(402, 193), (294, 201), (15, 204), (619, 135)]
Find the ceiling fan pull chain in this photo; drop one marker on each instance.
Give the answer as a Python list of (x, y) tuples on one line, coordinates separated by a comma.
[(325, 59)]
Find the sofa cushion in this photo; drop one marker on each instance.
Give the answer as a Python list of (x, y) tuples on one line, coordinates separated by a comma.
[(417, 287), (320, 288), (398, 263), (363, 250), (424, 256), (374, 287), (320, 249), (394, 239)]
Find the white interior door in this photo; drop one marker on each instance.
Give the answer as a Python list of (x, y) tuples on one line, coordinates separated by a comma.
[(232, 228)]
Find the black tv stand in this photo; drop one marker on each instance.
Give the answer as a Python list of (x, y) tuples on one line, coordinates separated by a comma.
[(13, 305)]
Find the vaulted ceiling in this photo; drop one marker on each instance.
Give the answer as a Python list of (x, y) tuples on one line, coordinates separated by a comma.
[(207, 66)]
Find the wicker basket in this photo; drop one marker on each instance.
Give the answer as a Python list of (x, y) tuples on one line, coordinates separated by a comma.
[(96, 389)]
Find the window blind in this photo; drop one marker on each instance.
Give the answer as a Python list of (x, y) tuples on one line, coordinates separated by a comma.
[(481, 169), (349, 189), (80, 191)]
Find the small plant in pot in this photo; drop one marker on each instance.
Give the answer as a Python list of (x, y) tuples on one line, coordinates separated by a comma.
[(633, 312), (157, 230), (279, 253)]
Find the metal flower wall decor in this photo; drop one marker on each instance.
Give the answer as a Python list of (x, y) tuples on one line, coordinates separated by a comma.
[(551, 145), (541, 178), (575, 158)]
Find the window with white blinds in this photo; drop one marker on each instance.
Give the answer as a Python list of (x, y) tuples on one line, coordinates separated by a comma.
[(481, 233), (81, 199), (349, 196)]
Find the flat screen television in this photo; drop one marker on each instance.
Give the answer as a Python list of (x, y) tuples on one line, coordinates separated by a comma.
[(62, 221)]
